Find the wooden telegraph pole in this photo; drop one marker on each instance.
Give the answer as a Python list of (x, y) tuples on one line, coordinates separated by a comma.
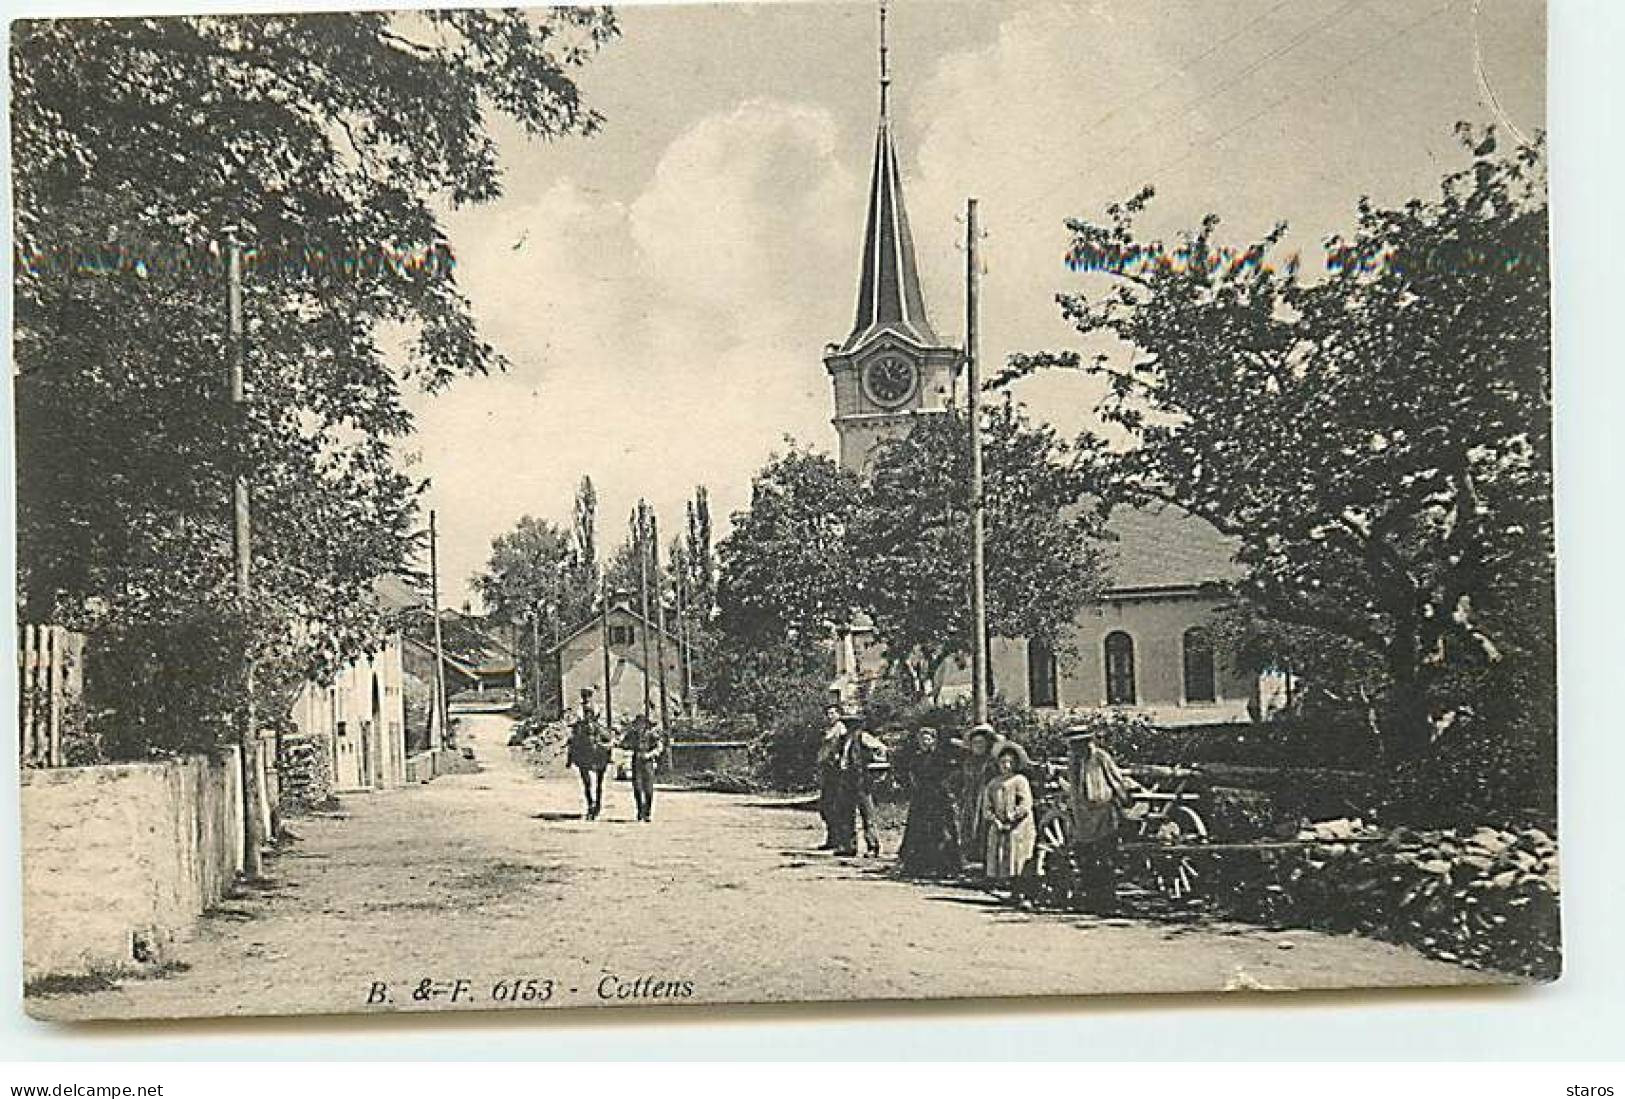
[(678, 589), (603, 629), (442, 710), (660, 618), (536, 658), (241, 532), (640, 539), (978, 533)]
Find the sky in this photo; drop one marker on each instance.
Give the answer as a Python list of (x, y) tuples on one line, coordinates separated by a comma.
[(664, 289)]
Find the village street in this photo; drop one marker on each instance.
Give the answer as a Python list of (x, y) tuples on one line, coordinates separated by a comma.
[(492, 877)]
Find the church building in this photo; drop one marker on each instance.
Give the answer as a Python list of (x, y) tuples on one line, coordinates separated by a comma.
[(1147, 645)]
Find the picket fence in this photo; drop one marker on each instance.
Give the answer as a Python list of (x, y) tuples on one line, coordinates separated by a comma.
[(51, 679)]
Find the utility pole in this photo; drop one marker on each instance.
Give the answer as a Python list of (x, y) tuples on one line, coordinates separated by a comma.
[(685, 656), (603, 627), (660, 618), (516, 647), (536, 659), (442, 711), (640, 545), (241, 532), (978, 533)]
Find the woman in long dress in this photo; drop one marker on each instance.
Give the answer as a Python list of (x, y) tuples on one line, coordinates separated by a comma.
[(1007, 806), (930, 846), (976, 766)]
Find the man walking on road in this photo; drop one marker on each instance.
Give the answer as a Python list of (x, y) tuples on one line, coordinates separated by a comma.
[(829, 776), (647, 743), (861, 757), (588, 751)]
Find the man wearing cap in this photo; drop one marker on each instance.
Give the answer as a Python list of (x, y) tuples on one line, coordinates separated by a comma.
[(1097, 792), (647, 743), (829, 773), (860, 757), (588, 751)]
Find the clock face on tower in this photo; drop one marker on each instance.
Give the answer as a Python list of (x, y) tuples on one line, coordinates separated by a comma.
[(890, 380)]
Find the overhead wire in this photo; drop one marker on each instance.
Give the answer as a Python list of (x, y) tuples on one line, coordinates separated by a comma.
[(1335, 75), (1206, 95)]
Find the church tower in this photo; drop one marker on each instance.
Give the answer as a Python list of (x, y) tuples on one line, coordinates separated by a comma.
[(892, 366)]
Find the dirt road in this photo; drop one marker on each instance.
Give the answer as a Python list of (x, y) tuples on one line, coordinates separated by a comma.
[(487, 890)]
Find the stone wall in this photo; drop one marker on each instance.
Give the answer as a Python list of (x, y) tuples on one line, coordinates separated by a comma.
[(427, 766), (119, 860), (691, 757)]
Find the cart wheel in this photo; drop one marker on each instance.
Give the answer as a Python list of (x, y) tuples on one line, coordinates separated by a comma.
[(1054, 837), (1190, 822), (1055, 830)]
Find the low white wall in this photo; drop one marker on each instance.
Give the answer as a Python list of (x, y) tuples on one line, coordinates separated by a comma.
[(120, 859)]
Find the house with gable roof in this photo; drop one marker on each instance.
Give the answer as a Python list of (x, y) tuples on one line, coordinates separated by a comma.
[(578, 658)]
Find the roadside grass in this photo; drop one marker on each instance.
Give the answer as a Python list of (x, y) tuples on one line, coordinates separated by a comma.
[(102, 978)]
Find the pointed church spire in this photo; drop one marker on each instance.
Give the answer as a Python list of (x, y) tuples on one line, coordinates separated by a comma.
[(889, 290)]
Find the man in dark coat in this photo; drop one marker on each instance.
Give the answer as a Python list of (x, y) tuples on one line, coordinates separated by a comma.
[(647, 743), (588, 751), (860, 758), (829, 773)]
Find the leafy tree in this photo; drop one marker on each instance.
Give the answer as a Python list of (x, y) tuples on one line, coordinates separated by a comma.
[(322, 143), (700, 577), (531, 584), (691, 583), (910, 539), (1377, 438), (584, 532), (529, 574), (785, 570), (785, 579)]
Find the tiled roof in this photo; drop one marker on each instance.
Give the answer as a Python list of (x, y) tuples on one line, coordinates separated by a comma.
[(464, 638), (396, 593), (1161, 546), (592, 622)]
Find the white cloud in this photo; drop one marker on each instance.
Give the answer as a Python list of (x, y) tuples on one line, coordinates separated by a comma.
[(671, 334), (655, 345)]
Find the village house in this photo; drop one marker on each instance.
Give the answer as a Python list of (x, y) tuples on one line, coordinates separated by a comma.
[(479, 663), (351, 731), (578, 658)]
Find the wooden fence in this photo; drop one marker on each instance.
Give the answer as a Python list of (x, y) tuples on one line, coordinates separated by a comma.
[(51, 688)]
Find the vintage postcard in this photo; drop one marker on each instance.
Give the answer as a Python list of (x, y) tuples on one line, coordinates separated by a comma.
[(759, 502)]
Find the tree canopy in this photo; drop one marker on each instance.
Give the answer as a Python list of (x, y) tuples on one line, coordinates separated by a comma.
[(818, 547), (1377, 437), (785, 569), (324, 145), (910, 538)]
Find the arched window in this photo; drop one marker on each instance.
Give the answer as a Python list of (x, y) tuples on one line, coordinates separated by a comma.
[(1120, 669), (1201, 680), (1042, 688)]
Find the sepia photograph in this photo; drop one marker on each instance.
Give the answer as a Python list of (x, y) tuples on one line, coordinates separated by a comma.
[(781, 503)]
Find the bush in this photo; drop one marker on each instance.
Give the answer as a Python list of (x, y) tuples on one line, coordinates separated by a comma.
[(785, 754), (1480, 774), (706, 727), (725, 780), (164, 689), (1282, 743)]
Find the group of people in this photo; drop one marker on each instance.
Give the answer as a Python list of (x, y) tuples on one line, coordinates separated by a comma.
[(590, 749), (972, 808)]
